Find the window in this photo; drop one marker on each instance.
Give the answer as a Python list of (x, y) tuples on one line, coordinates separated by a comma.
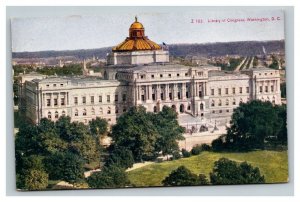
[(76, 112), (93, 111), (116, 110), (92, 100), (143, 97), (54, 85), (47, 85), (124, 109), (76, 100), (220, 102), (260, 89), (241, 90), (227, 102), (84, 112), (272, 88), (227, 110), (201, 106), (212, 92), (56, 115), (83, 100), (100, 111), (226, 91), (266, 89), (124, 97), (63, 113), (161, 76), (178, 75), (212, 103), (142, 76), (179, 95), (55, 102), (161, 96), (49, 115), (219, 91), (187, 94), (220, 111), (213, 111), (247, 89), (200, 93), (152, 76), (186, 74), (61, 84), (233, 90), (170, 75), (153, 96), (116, 98), (62, 101), (170, 96), (108, 110), (108, 98), (48, 102), (100, 98), (233, 102)]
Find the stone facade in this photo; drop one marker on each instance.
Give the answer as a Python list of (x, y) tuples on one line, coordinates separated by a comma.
[(145, 77)]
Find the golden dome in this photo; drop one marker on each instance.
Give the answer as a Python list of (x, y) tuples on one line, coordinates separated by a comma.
[(137, 41)]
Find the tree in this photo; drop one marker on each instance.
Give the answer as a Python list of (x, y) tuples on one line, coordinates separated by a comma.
[(203, 179), (181, 177), (121, 157), (169, 130), (226, 171), (135, 131), (254, 123), (109, 177), (98, 127), (65, 166), (36, 180)]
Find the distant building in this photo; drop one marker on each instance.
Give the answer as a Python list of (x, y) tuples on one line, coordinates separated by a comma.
[(138, 72)]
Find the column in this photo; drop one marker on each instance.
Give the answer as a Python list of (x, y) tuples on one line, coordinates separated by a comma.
[(167, 91), (58, 100), (52, 99), (175, 90), (183, 90)]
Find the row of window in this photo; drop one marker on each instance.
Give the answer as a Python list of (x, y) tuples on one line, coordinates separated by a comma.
[(100, 99), (56, 114), (266, 89), (101, 111), (162, 76), (55, 102), (213, 103), (233, 91), (54, 85)]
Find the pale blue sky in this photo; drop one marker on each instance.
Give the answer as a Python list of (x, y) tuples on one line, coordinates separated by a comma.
[(110, 28)]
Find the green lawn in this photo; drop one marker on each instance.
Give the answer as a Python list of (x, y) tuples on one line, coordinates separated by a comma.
[(272, 164)]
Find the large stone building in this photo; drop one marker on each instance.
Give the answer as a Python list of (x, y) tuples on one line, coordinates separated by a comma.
[(138, 72)]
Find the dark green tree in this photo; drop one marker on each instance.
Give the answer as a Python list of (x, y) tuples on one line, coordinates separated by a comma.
[(202, 180), (254, 123), (169, 130), (65, 166), (226, 171), (109, 177), (98, 127), (135, 131), (181, 177), (121, 157)]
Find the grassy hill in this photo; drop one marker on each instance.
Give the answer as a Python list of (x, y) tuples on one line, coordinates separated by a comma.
[(272, 164)]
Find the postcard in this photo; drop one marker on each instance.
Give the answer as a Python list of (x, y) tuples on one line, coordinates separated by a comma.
[(150, 99)]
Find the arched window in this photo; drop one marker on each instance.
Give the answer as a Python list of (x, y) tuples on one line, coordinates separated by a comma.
[(212, 103), (101, 110), (220, 102), (76, 112), (201, 106), (63, 113), (93, 111), (233, 101), (124, 109), (49, 115), (241, 100), (174, 107), (227, 102), (84, 112), (154, 109), (56, 115), (108, 110), (117, 110)]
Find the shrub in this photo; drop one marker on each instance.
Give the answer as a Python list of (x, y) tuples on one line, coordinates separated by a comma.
[(196, 150), (185, 153)]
